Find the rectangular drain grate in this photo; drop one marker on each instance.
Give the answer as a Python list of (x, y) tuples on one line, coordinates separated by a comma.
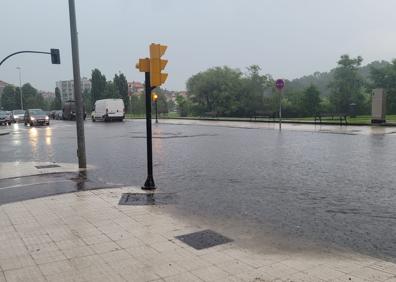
[(203, 239), (46, 166), (147, 199)]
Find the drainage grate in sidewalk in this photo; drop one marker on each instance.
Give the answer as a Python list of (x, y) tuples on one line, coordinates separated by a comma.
[(147, 199), (46, 166), (203, 239)]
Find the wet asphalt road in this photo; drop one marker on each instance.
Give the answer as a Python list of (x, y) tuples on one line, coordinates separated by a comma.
[(315, 187)]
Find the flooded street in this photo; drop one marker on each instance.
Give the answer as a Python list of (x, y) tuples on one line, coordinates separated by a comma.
[(327, 185)]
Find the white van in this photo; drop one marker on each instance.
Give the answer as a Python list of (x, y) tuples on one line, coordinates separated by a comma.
[(109, 110)]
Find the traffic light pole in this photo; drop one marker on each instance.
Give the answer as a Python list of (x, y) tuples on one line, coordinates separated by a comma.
[(82, 159), (149, 184)]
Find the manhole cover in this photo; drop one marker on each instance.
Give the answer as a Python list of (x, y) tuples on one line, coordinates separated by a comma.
[(144, 199), (203, 239), (46, 166)]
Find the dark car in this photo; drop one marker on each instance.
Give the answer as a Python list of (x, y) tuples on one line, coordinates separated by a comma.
[(36, 117), (18, 115), (69, 110), (59, 115), (5, 118)]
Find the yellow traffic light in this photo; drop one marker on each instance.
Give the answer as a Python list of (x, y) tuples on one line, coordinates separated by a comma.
[(157, 65), (143, 65)]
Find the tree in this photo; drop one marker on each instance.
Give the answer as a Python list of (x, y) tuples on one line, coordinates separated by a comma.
[(251, 95), (215, 90), (310, 101), (347, 85), (87, 100), (98, 85), (31, 98), (110, 91), (121, 86), (183, 105), (385, 78), (57, 103), (8, 98)]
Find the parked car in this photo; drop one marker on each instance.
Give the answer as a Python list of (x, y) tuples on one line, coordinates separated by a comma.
[(36, 117), (5, 118), (17, 115), (69, 110), (108, 110)]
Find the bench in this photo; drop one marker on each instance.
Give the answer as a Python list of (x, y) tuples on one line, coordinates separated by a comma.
[(261, 114), (342, 117)]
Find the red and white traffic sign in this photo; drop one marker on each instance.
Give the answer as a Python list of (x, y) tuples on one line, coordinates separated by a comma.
[(279, 84)]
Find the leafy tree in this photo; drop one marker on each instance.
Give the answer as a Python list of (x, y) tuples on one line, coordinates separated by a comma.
[(8, 98), (183, 105), (57, 103), (385, 77), (110, 91), (98, 81), (215, 90), (121, 86), (310, 102), (31, 98), (138, 104), (87, 100), (347, 85)]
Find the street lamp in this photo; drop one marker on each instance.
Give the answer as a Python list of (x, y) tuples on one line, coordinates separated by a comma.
[(20, 86), (155, 99)]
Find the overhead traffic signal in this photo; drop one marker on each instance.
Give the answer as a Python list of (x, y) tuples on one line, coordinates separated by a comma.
[(157, 65), (55, 56)]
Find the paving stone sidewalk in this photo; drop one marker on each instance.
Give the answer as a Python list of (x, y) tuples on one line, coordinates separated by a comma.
[(88, 236)]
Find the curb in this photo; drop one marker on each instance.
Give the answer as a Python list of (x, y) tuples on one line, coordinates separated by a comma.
[(4, 133)]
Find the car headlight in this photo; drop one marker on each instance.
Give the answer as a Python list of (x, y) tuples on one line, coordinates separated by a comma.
[(47, 118), (32, 118)]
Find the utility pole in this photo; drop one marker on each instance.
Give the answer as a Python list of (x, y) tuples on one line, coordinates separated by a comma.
[(20, 86), (82, 160), (279, 84)]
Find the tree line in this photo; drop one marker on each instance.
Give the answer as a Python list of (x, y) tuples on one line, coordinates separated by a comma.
[(31, 99), (224, 91), (118, 88)]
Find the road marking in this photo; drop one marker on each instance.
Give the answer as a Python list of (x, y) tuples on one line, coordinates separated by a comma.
[(33, 184)]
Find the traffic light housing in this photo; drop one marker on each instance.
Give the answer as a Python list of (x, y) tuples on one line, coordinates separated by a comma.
[(143, 65), (157, 65), (55, 56)]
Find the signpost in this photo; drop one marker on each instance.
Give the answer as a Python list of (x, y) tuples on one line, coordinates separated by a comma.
[(280, 84)]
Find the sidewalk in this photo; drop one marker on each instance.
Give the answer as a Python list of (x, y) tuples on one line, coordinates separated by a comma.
[(88, 236)]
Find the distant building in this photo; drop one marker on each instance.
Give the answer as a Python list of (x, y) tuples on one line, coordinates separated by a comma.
[(66, 88), (135, 87)]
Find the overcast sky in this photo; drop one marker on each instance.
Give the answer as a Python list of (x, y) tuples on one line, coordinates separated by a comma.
[(287, 38)]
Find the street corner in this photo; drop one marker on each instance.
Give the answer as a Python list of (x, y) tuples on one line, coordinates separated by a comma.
[(23, 169)]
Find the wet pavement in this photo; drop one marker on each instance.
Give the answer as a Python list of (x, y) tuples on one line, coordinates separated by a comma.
[(327, 185)]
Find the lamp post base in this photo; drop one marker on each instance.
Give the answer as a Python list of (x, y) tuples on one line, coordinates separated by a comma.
[(149, 184)]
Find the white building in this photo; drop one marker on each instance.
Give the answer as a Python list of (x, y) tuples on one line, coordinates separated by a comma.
[(66, 88)]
